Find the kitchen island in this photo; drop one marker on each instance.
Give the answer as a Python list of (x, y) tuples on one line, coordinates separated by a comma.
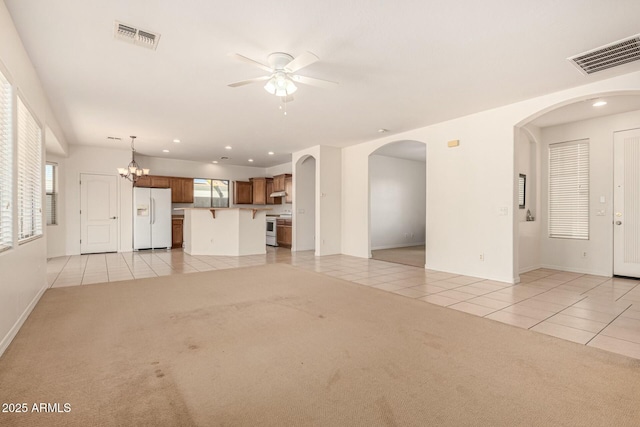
[(224, 231)]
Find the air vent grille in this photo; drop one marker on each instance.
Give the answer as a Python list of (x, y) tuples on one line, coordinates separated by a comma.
[(135, 35), (609, 56)]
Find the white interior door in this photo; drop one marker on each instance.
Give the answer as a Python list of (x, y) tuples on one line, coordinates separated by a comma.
[(626, 203), (98, 213)]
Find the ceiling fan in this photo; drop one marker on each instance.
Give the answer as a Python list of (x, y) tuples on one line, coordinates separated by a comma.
[(282, 78)]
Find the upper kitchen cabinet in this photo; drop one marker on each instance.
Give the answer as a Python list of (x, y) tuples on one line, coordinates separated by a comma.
[(181, 190), (242, 192), (259, 188), (153, 181), (279, 181), (262, 189)]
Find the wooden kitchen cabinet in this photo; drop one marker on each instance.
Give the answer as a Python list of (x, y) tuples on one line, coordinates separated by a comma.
[(272, 200), (242, 192), (259, 189), (153, 181), (279, 181), (176, 232), (262, 188), (181, 190), (284, 232)]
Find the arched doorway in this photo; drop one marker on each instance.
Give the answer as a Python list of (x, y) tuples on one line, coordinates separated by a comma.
[(535, 137), (305, 205), (397, 203)]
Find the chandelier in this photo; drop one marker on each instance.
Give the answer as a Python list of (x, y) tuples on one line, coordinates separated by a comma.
[(133, 171)]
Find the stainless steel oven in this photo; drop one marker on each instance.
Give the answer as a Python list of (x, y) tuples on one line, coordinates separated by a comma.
[(271, 231)]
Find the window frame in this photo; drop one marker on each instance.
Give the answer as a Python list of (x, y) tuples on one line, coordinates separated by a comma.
[(569, 184), (53, 193), (7, 165), (211, 198), (35, 165)]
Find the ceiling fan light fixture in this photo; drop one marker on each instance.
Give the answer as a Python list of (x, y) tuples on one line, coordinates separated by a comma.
[(280, 85)]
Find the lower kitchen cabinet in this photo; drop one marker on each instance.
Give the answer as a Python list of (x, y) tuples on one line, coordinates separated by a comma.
[(176, 232), (284, 232)]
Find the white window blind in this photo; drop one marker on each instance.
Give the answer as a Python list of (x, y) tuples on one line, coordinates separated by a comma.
[(51, 189), (6, 160), (569, 190), (29, 175)]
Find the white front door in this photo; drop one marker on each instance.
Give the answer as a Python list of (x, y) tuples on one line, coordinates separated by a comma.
[(98, 214), (626, 203)]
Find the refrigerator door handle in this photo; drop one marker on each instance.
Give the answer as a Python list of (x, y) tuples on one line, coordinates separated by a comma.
[(153, 210)]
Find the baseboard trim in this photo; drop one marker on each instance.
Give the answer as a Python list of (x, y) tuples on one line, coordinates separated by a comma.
[(528, 269), (577, 270), (4, 344), (399, 245)]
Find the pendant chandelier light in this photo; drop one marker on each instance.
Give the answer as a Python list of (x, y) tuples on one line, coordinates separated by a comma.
[(133, 171)]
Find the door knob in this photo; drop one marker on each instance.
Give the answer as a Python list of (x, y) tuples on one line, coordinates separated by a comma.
[(618, 222), (114, 217)]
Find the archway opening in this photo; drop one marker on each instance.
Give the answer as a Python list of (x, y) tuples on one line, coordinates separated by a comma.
[(570, 122), (397, 203)]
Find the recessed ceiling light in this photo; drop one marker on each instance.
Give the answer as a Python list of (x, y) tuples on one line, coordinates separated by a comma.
[(177, 141), (599, 103), (383, 130), (215, 161), (251, 160), (228, 147), (165, 151), (271, 153)]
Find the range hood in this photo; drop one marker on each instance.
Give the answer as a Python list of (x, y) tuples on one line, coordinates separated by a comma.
[(278, 194)]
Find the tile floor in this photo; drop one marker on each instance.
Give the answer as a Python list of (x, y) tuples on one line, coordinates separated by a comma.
[(596, 311)]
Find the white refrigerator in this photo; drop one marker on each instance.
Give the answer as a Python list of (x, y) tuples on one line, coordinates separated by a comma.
[(151, 218)]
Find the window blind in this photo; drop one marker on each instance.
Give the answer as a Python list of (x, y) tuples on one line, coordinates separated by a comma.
[(569, 190), (6, 165), (29, 175), (51, 189)]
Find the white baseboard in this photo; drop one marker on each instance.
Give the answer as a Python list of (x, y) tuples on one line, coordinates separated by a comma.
[(23, 317), (528, 269), (577, 270), (397, 245)]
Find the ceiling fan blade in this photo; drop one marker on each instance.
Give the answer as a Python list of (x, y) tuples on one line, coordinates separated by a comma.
[(312, 81), (246, 82), (251, 61), (301, 61)]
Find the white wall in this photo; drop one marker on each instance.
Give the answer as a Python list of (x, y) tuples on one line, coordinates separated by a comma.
[(468, 187), (22, 268), (305, 200), (328, 191), (100, 161), (398, 202), (527, 159), (566, 254)]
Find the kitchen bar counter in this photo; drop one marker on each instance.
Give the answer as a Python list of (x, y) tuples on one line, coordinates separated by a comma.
[(224, 231)]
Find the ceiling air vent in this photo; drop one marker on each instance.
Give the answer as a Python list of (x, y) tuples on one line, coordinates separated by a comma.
[(135, 35), (609, 56)]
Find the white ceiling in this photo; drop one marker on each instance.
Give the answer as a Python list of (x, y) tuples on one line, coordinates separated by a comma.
[(400, 66)]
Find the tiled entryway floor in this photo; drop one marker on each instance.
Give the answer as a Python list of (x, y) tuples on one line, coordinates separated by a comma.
[(596, 311)]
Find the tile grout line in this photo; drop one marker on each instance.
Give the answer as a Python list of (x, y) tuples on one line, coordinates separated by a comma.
[(60, 272), (612, 320), (621, 296)]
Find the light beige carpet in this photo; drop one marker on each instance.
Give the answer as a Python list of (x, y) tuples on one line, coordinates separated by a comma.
[(410, 255), (276, 345)]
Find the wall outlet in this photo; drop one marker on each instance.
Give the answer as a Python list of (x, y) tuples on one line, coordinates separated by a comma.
[(481, 257), (584, 254)]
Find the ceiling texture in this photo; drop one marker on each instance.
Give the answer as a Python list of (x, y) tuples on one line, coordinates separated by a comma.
[(399, 66)]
